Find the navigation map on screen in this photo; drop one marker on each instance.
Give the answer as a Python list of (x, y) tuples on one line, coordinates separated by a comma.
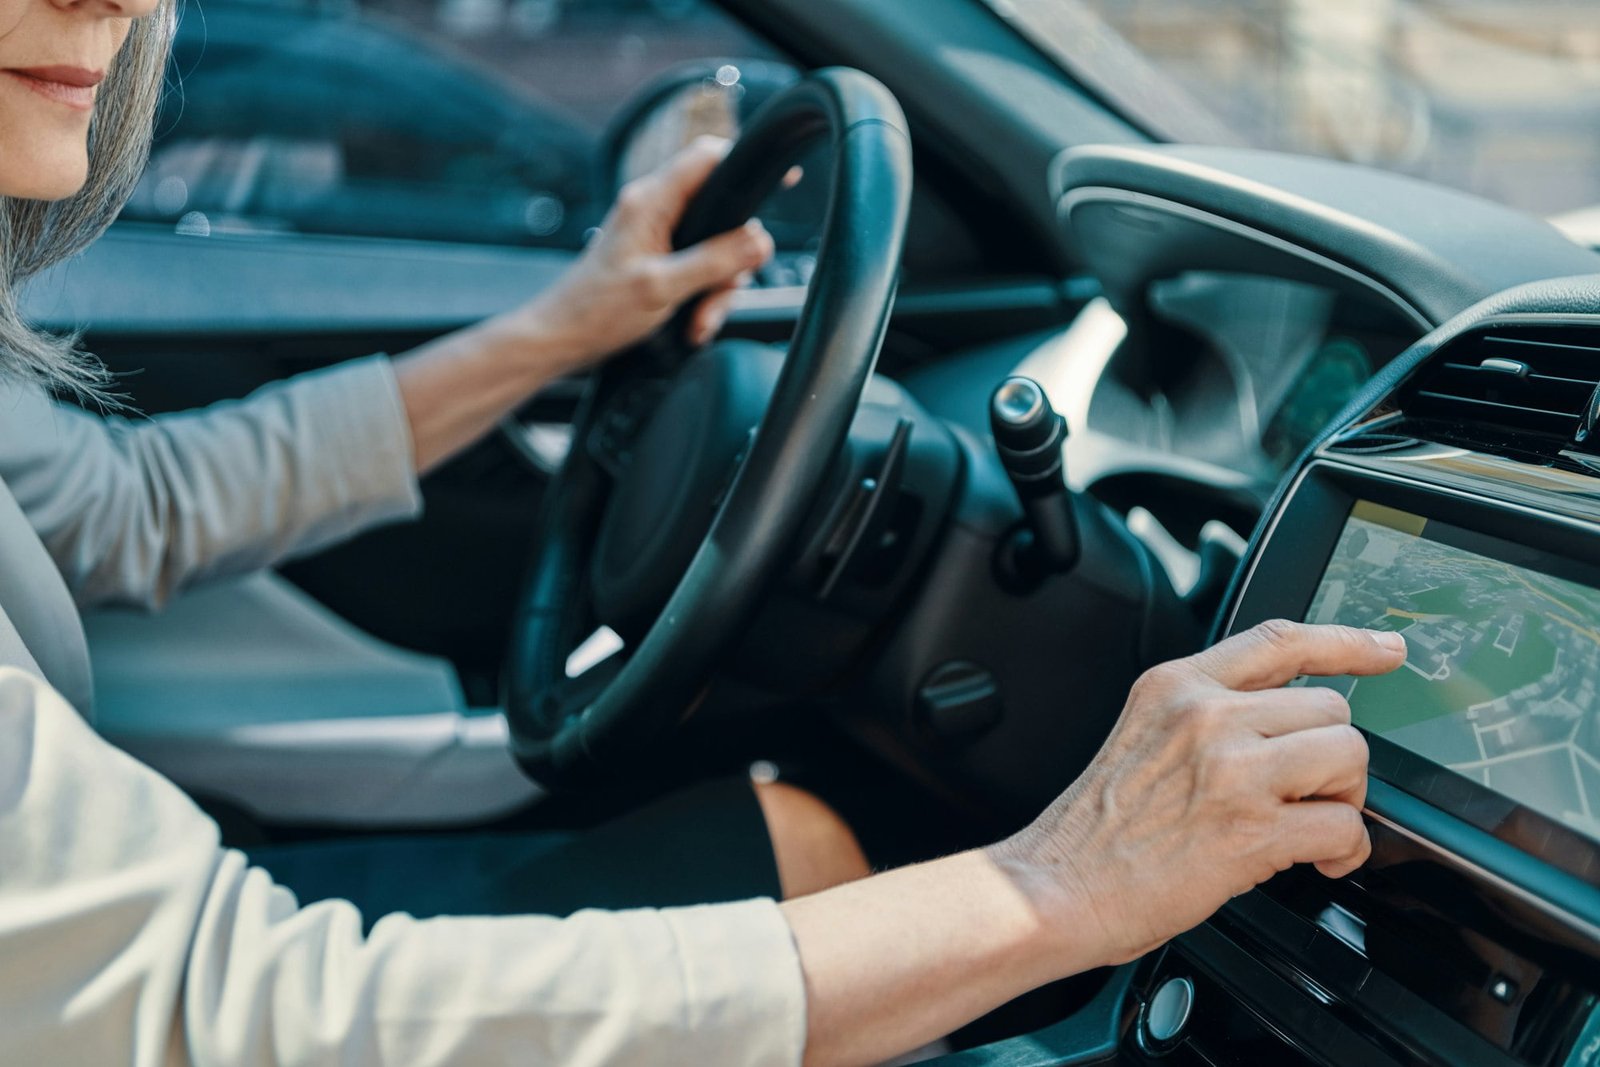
[(1502, 677)]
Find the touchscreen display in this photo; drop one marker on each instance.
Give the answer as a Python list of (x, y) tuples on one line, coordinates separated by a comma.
[(1502, 678)]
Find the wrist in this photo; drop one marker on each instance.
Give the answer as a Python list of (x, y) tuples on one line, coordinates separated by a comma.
[(527, 345), (1072, 930)]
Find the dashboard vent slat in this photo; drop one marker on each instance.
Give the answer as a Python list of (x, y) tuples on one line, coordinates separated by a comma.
[(1516, 411), (1539, 379)]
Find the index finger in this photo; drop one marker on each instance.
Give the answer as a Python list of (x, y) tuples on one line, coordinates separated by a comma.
[(687, 171), (1275, 653)]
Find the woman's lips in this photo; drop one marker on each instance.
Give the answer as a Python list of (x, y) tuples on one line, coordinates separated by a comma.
[(72, 86)]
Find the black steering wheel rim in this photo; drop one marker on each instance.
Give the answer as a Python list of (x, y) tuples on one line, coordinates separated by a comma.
[(563, 735)]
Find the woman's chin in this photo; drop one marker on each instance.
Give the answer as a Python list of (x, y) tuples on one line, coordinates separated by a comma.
[(57, 181)]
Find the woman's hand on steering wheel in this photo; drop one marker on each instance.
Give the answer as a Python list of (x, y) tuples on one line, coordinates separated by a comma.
[(629, 280)]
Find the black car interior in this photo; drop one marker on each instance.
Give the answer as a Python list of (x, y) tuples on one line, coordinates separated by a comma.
[(1251, 357)]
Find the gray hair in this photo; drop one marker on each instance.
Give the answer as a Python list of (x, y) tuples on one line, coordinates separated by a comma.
[(34, 234)]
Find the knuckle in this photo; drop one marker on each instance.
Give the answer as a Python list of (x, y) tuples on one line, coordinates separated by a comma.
[(1251, 833), (1350, 836), (755, 243), (632, 198), (1229, 769), (1205, 714), (1145, 689), (1350, 745), (1160, 679), (1278, 852), (1338, 707), (649, 284), (1281, 634)]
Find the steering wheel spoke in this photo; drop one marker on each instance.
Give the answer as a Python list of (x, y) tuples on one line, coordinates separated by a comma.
[(620, 416), (564, 701)]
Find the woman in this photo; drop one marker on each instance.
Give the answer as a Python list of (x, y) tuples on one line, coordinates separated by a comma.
[(128, 935), (132, 511)]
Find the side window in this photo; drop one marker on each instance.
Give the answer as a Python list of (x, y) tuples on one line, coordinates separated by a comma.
[(452, 120)]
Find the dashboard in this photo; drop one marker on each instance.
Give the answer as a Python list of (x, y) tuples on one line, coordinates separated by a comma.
[(1263, 364), (1435, 472), (1212, 387), (1454, 497), (1395, 392), (1475, 535)]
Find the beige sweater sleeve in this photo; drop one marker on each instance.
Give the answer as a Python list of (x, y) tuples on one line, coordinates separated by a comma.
[(134, 509), (128, 936)]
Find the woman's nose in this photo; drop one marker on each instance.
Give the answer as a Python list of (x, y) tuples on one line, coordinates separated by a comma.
[(110, 9)]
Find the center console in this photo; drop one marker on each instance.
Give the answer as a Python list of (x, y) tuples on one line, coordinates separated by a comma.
[(1458, 502), (1463, 510)]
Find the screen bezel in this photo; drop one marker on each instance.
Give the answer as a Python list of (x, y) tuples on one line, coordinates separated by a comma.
[(1283, 579)]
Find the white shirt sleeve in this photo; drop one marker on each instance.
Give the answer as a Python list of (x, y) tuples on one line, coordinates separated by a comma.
[(127, 935), (134, 509)]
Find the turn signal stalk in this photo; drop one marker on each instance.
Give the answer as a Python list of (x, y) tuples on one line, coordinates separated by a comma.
[(1029, 435)]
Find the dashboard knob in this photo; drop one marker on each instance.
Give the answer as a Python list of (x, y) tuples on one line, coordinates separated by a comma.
[(1167, 1014)]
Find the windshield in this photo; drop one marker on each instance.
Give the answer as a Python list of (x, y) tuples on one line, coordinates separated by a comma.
[(1498, 97)]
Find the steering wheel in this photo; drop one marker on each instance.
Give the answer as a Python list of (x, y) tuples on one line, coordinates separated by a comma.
[(692, 473)]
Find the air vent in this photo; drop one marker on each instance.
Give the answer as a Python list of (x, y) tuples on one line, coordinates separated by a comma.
[(1538, 379)]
